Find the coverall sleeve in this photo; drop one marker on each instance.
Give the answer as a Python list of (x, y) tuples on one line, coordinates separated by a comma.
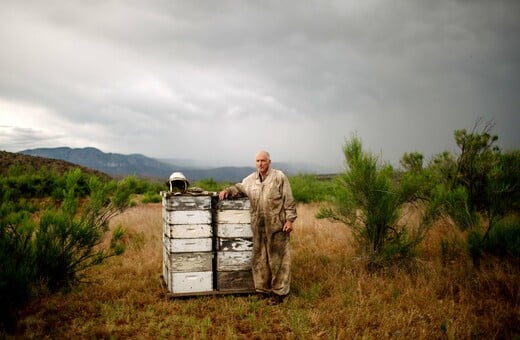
[(235, 190), (288, 205)]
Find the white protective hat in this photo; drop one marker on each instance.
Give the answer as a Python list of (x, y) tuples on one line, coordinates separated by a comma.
[(178, 181)]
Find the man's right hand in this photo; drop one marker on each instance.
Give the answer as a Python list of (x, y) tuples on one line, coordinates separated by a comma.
[(223, 195)]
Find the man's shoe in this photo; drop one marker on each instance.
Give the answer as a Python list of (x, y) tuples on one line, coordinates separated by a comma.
[(276, 299)]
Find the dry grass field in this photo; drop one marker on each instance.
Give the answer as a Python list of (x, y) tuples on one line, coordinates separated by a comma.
[(332, 296)]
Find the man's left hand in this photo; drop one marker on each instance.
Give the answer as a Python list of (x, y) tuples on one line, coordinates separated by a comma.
[(287, 227)]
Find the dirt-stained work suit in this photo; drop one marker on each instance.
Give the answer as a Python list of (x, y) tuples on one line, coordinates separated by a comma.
[(272, 204)]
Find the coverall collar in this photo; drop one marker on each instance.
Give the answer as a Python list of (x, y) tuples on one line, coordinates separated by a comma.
[(259, 176)]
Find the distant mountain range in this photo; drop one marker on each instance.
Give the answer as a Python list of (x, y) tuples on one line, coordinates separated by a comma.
[(27, 164), (119, 165), (110, 163)]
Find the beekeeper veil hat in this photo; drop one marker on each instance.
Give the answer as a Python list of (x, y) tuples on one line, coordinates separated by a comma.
[(178, 182)]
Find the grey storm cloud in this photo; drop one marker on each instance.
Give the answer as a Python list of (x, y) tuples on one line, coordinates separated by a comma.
[(217, 81)]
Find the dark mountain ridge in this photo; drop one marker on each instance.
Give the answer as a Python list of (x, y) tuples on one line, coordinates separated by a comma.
[(28, 163), (113, 164), (118, 165)]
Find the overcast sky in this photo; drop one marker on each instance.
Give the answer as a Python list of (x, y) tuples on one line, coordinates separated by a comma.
[(218, 80)]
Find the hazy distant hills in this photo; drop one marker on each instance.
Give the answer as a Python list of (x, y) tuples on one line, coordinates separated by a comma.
[(118, 165), (111, 163), (28, 163)]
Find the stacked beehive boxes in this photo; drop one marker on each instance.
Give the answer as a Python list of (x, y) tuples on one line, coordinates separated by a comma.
[(188, 243), (207, 245), (234, 245)]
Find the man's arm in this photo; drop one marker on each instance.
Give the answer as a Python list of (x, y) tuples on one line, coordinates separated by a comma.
[(231, 191), (288, 204)]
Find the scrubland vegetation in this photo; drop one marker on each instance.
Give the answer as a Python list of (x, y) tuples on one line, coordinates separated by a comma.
[(423, 251)]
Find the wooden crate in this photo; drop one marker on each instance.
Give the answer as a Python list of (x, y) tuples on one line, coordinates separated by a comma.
[(207, 245), (233, 217), (187, 230), (188, 262), (234, 230), (234, 244), (235, 281), (234, 260), (182, 202), (188, 245), (192, 282), (233, 204), (187, 216)]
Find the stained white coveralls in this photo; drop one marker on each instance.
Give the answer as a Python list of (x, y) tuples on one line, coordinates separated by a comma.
[(272, 204)]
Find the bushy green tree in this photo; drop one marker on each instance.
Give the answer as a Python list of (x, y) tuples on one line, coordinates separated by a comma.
[(55, 246), (17, 265), (478, 156), (369, 199), (478, 187), (412, 162), (67, 239)]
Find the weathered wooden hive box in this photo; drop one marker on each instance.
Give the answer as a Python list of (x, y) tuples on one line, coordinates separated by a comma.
[(234, 245), (207, 245), (188, 243)]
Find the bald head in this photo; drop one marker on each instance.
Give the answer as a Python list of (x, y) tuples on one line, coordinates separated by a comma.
[(263, 161), (263, 154)]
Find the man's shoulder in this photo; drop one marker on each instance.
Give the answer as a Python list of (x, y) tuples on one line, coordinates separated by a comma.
[(277, 173), (250, 177)]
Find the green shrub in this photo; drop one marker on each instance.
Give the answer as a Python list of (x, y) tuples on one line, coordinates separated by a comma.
[(16, 260), (67, 239), (478, 189), (141, 186), (454, 203), (307, 188), (368, 199), (151, 197), (209, 184), (40, 183), (56, 248), (502, 240)]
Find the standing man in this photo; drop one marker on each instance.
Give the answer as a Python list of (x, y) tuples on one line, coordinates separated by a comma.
[(272, 215)]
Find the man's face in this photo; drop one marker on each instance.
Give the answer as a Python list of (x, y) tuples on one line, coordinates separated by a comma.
[(262, 163)]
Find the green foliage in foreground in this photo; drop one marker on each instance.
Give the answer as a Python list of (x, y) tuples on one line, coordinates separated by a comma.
[(480, 190), (369, 199), (23, 184), (502, 240), (51, 249)]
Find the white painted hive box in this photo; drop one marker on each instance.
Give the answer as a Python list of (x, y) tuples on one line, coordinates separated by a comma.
[(207, 244), (192, 282), (188, 243)]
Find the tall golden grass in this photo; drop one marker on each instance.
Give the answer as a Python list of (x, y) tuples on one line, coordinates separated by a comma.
[(332, 295)]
